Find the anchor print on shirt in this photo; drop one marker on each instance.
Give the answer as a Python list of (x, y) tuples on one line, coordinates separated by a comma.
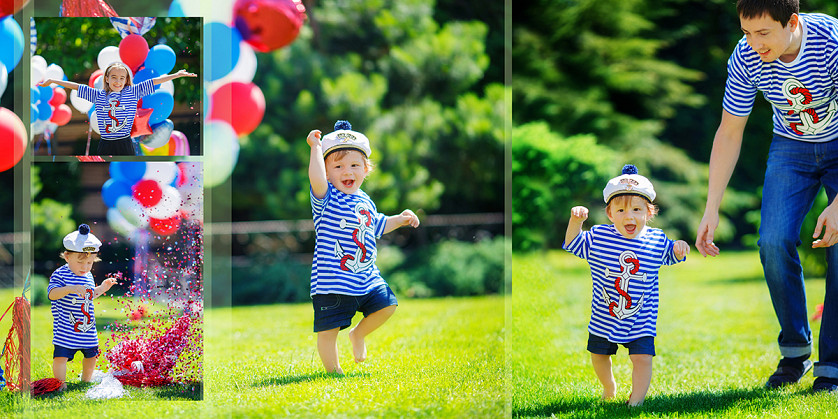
[(111, 123), (363, 257), (83, 325), (800, 102), (624, 307)]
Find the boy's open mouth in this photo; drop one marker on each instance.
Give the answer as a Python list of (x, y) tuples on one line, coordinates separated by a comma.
[(348, 183), (630, 228)]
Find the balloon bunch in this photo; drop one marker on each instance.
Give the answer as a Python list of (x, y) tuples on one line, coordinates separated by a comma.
[(233, 32), (156, 196), (48, 109), (13, 140)]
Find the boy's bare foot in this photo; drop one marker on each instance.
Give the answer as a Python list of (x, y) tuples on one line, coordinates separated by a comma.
[(63, 386), (359, 348), (608, 395)]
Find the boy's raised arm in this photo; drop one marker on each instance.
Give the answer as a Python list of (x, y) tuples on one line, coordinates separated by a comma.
[(578, 215), (316, 165)]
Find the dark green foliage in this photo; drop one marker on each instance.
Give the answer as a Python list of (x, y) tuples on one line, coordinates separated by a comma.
[(271, 279), (39, 290)]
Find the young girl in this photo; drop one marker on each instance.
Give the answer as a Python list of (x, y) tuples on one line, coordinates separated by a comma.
[(116, 105), (344, 278), (624, 258)]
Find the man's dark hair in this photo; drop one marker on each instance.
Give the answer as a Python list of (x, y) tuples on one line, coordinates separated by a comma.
[(779, 10)]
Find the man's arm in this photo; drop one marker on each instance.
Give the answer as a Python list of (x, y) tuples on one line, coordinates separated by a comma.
[(727, 145)]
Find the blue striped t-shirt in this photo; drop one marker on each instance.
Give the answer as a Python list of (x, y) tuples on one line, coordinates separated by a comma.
[(624, 305), (73, 321), (802, 93), (116, 110), (344, 253)]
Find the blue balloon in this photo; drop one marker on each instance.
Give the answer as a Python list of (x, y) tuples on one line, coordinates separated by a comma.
[(11, 38), (206, 101), (127, 171), (33, 113), (146, 74), (176, 10), (161, 103), (45, 93), (34, 95), (113, 189), (161, 58), (222, 49), (44, 111)]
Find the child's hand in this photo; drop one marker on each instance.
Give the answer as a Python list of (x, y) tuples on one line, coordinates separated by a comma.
[(682, 249), (108, 283), (184, 73), (79, 290), (579, 213), (313, 138), (409, 218), (45, 83)]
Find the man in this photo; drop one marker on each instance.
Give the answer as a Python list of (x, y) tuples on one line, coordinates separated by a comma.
[(792, 59)]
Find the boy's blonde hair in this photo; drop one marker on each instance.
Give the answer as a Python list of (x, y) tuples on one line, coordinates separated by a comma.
[(116, 64), (340, 154), (624, 199), (64, 254)]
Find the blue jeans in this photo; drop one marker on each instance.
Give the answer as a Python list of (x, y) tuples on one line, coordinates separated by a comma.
[(795, 173)]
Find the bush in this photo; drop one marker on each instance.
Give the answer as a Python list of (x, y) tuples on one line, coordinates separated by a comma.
[(39, 290), (271, 280)]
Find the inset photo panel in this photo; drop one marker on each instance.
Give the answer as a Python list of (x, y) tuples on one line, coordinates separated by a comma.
[(117, 283), (116, 86)]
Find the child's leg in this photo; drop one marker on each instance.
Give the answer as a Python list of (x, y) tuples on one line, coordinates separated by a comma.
[(641, 378), (327, 346), (366, 326), (87, 367), (602, 368), (59, 368)]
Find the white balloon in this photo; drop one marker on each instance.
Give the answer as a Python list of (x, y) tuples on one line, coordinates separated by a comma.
[(55, 72), (132, 211), (212, 11), (38, 127), (80, 104), (36, 75), (99, 82), (107, 56), (40, 62), (244, 70), (168, 86), (168, 206), (4, 78), (94, 122), (163, 172), (221, 152), (119, 224)]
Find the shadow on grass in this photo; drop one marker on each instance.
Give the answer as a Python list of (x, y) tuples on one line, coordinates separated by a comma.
[(294, 379), (756, 399), (185, 391)]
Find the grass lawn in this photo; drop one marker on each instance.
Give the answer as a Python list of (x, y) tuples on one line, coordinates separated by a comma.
[(434, 358), (716, 343)]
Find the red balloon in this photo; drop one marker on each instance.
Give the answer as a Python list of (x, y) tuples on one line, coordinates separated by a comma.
[(268, 24), (61, 115), (133, 50), (147, 192), (164, 227), (10, 7), (93, 76), (141, 126), (13, 139), (242, 105), (59, 96)]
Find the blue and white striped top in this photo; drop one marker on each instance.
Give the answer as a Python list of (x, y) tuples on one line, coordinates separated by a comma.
[(802, 93), (624, 305), (73, 320), (344, 254), (116, 110)]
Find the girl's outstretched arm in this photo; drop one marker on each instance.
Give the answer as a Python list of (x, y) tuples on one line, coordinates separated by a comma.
[(316, 165), (62, 83), (167, 77)]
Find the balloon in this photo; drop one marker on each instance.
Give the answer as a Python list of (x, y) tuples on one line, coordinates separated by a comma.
[(132, 211), (99, 82), (4, 78), (128, 171), (164, 227), (45, 111), (161, 58), (80, 104), (168, 206), (55, 72), (147, 192), (45, 94), (222, 147), (167, 87), (176, 10), (220, 11), (222, 49), (243, 71), (268, 24), (91, 81), (13, 139), (145, 74), (207, 101), (119, 224), (160, 134), (61, 115), (141, 126), (59, 96), (108, 55), (161, 104), (242, 105), (159, 151), (180, 143), (113, 189), (133, 50), (34, 95), (11, 38), (10, 7), (33, 113), (94, 121), (163, 172)]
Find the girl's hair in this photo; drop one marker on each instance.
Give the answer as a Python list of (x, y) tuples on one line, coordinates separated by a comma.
[(340, 154), (779, 10), (113, 65), (64, 254), (623, 200)]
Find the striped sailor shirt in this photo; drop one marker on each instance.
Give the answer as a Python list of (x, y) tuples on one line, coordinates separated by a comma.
[(116, 110), (73, 320)]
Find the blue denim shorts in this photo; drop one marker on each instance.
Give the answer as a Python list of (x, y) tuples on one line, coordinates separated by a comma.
[(336, 310), (602, 346), (68, 353)]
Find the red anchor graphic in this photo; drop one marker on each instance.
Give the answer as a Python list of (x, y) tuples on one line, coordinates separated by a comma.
[(630, 265), (88, 323), (359, 261)]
